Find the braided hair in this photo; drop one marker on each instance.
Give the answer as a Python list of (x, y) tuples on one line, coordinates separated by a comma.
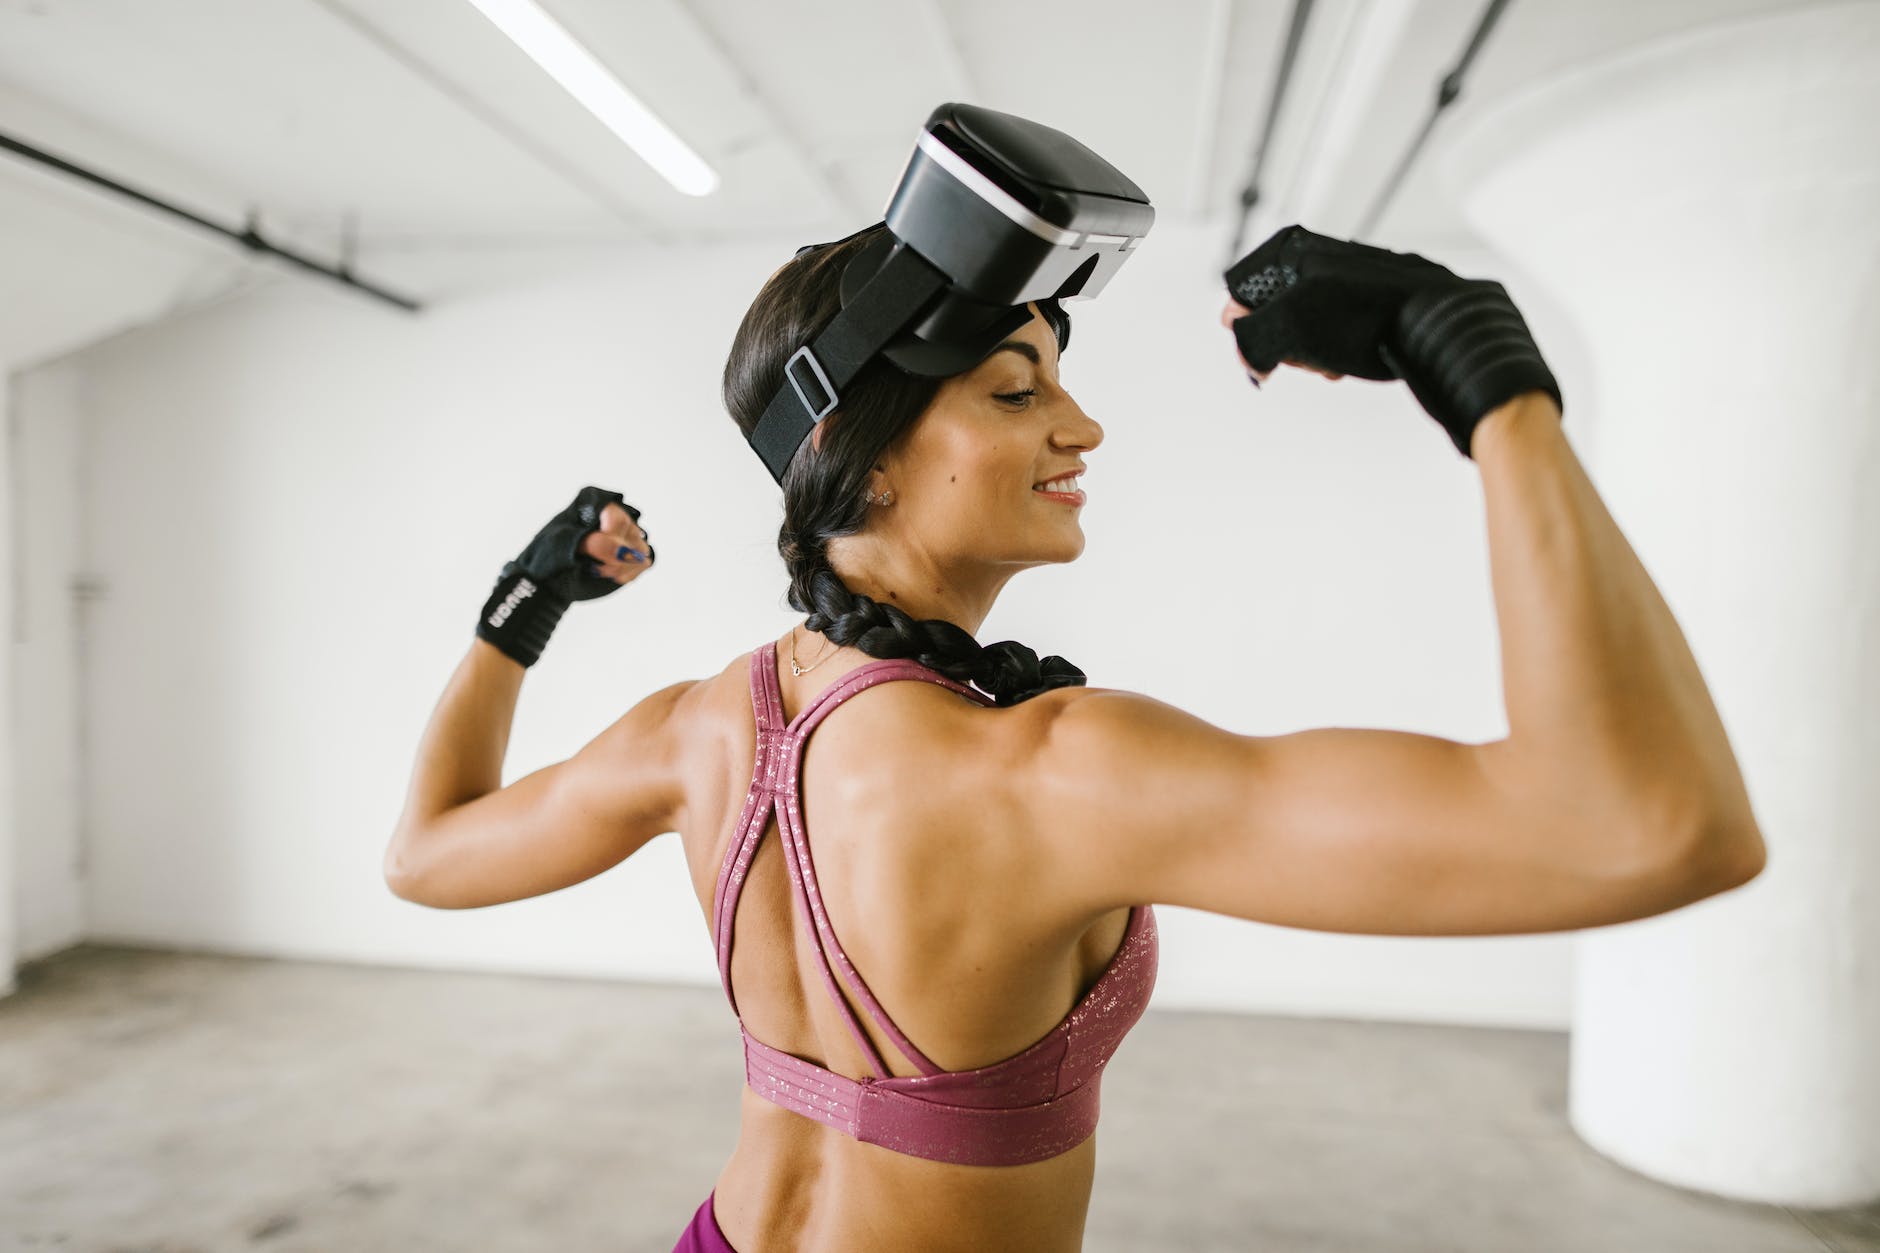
[(824, 488)]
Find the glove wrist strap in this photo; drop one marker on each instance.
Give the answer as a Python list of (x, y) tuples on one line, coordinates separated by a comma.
[(1466, 350), (520, 615)]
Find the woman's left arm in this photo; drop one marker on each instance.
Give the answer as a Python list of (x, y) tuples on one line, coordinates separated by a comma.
[(461, 754), (464, 842)]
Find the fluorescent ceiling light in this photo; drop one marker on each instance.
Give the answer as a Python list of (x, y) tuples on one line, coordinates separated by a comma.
[(550, 45)]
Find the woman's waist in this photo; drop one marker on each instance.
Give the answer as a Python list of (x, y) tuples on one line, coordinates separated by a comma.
[(793, 1179)]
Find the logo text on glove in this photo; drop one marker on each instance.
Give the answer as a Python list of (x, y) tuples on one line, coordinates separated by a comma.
[(521, 592)]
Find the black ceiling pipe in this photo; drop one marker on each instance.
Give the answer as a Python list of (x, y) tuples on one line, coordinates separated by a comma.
[(1250, 194), (248, 237), (1446, 93)]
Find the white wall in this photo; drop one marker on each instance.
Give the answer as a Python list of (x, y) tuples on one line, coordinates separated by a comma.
[(94, 266), (45, 652), (296, 500)]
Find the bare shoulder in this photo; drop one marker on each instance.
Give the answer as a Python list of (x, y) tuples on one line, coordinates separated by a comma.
[(975, 779), (1075, 776), (699, 708), (946, 775), (1048, 811)]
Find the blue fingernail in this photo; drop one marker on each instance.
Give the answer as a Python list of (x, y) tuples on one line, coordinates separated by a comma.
[(621, 551)]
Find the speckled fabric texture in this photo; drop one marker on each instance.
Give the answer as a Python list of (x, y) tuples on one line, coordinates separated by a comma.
[(1033, 1105)]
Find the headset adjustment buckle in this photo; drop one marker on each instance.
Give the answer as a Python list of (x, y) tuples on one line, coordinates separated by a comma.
[(818, 377)]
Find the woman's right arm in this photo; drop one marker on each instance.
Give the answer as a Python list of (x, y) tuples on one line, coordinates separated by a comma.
[(1599, 682), (1615, 796)]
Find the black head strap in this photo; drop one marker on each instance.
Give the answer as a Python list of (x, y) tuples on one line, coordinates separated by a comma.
[(816, 373)]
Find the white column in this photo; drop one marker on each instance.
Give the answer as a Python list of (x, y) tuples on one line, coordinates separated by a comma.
[(1707, 208)]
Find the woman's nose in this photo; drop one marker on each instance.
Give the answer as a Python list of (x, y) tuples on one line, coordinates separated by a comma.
[(1087, 432)]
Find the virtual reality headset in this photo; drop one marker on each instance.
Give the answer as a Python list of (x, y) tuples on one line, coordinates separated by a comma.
[(992, 213)]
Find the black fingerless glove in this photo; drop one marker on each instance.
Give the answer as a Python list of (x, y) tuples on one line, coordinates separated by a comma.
[(535, 589), (1350, 308)]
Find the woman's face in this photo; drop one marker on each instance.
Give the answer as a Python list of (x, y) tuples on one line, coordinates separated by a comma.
[(964, 475)]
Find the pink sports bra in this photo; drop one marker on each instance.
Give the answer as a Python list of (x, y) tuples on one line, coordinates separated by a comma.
[(1031, 1106)]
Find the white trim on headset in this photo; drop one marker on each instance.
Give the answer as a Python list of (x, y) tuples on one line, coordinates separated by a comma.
[(993, 194)]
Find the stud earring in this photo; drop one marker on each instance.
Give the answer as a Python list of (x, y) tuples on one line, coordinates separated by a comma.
[(886, 498)]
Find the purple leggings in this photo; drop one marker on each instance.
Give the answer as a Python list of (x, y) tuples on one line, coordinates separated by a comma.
[(702, 1234)]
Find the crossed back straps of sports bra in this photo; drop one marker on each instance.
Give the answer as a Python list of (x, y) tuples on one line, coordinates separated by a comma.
[(1033, 1105)]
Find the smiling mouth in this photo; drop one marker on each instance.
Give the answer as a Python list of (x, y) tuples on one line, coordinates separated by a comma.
[(1072, 497)]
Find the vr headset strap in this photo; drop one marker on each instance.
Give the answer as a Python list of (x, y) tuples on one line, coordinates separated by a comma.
[(814, 377)]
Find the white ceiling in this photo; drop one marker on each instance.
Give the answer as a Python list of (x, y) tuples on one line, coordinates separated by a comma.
[(448, 155)]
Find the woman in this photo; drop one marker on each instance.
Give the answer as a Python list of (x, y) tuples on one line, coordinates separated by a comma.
[(929, 999)]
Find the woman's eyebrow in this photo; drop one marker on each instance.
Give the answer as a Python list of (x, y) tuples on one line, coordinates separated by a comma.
[(1021, 347)]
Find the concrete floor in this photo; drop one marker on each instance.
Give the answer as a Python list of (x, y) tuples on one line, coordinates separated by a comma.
[(156, 1102)]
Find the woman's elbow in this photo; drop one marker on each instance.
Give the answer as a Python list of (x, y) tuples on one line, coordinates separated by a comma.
[(396, 869), (1729, 859)]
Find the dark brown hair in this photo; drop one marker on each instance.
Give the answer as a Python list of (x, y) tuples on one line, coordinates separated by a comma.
[(823, 489)]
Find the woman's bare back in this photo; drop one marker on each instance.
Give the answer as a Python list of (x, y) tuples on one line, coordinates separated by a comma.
[(940, 909)]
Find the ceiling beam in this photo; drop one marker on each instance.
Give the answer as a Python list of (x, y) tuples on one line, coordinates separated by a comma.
[(644, 229), (1342, 65), (843, 202), (1214, 51)]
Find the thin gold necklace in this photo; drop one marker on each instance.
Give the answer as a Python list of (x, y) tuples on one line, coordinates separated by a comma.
[(801, 670)]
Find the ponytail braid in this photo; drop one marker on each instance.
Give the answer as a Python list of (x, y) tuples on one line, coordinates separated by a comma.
[(1008, 671)]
